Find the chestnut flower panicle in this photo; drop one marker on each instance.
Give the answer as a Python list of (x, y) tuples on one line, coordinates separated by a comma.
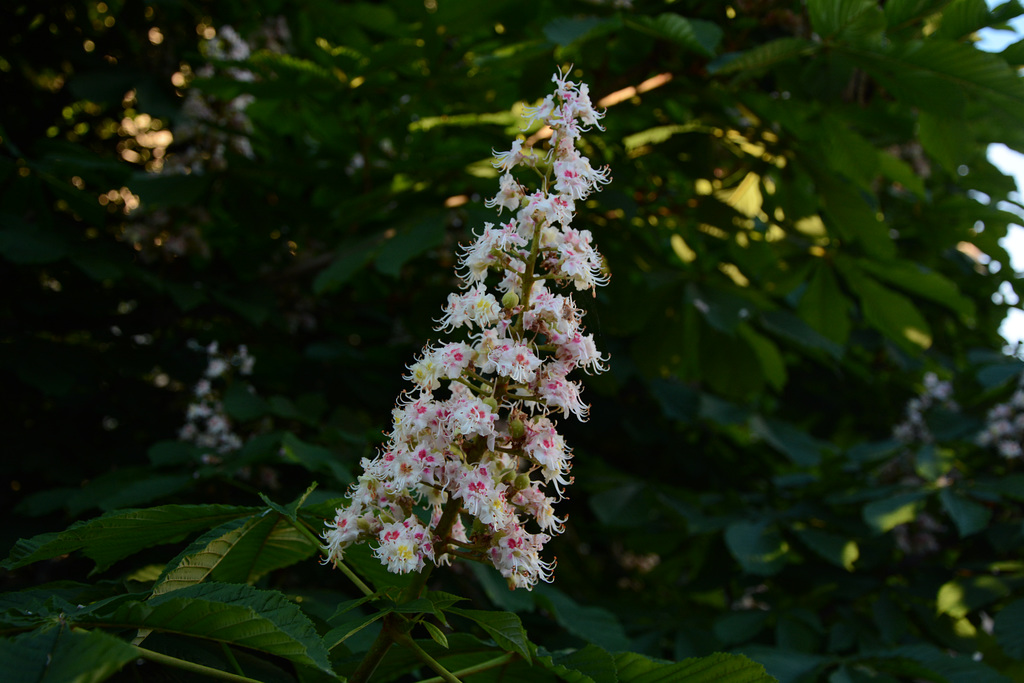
[(464, 475)]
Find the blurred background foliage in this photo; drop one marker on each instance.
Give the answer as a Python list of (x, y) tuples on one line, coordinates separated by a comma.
[(802, 223)]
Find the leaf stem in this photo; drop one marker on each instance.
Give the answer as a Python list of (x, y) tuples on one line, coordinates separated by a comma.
[(186, 665), (445, 675), (308, 533), (477, 668), (231, 659), (366, 590)]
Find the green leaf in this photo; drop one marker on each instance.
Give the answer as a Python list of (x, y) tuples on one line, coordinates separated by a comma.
[(932, 462), (117, 535), (739, 626), (969, 516), (315, 458), (677, 400), (168, 189), (763, 56), (802, 448), (768, 355), (829, 17), (25, 244), (847, 211), (496, 588), (824, 306), (565, 31), (916, 279), (883, 515), (961, 18), (504, 627), (360, 557), (240, 551), (241, 403), (260, 620), (757, 546), (164, 453), (1009, 629), (593, 624), (938, 75), (960, 596), (898, 12), (840, 551), (55, 654), (694, 34), (847, 152), (408, 243), (894, 315), (590, 664), (721, 309), (717, 668), (436, 634), (1014, 53), (350, 627), (901, 173), (350, 259), (946, 138), (785, 324), (947, 667), (785, 665)]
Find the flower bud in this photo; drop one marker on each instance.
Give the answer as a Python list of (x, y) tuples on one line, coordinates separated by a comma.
[(516, 428), (510, 300), (490, 401), (522, 481)]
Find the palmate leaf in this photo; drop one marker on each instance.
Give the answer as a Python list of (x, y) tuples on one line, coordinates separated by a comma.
[(240, 551), (1009, 629), (504, 627), (891, 313), (915, 279), (938, 75), (962, 18), (831, 17), (716, 668), (117, 535), (590, 664), (593, 624), (757, 546), (694, 34), (903, 508), (834, 548), (899, 12), (763, 56), (261, 620), (824, 306), (59, 654)]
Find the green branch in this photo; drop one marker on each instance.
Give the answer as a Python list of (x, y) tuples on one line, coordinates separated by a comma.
[(423, 656), (308, 533), (477, 668)]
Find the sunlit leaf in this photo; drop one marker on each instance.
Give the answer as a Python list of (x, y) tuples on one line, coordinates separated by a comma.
[(757, 546), (960, 596), (883, 515)]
